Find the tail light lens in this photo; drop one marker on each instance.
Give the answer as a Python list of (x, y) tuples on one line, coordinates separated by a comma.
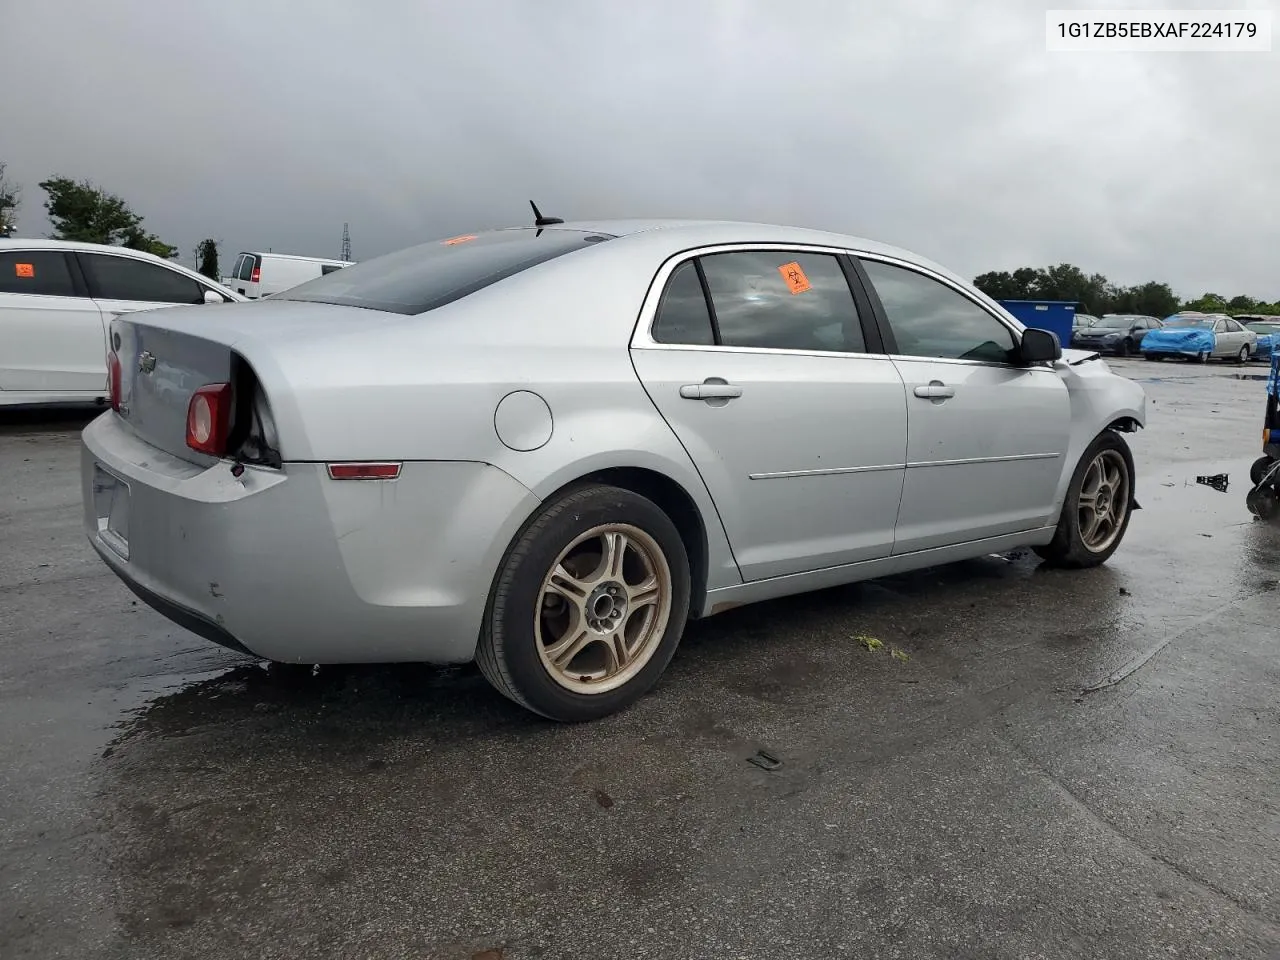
[(256, 275), (113, 380), (209, 419)]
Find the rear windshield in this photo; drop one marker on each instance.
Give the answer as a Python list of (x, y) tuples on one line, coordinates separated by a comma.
[(430, 275)]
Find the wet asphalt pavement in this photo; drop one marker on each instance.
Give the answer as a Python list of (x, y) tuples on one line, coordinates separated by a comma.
[(160, 797)]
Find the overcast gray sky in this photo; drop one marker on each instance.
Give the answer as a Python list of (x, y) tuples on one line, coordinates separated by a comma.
[(939, 125)]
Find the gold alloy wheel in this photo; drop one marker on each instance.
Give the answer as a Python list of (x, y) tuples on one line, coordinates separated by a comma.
[(1104, 500), (603, 608)]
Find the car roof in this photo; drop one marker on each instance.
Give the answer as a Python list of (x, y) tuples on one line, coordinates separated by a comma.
[(292, 256), (41, 243), (682, 234)]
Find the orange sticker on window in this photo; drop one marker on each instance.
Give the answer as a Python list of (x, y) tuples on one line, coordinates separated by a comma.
[(796, 281), (25, 269), (456, 240)]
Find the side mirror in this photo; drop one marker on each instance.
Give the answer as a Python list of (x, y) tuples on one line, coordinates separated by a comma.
[(213, 296), (1039, 346)]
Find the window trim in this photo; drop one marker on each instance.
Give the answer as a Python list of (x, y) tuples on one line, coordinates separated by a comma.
[(891, 343), (642, 335), (79, 286), (92, 286)]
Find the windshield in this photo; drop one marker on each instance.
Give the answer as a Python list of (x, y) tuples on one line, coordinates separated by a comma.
[(1084, 320), (433, 274)]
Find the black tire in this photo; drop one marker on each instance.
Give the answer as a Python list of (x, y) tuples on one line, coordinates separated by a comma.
[(1203, 356), (1243, 355), (1151, 356), (508, 653), (1259, 469), (1067, 549), (1124, 349)]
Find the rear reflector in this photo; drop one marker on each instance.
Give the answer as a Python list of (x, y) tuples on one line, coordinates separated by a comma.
[(113, 380), (364, 471), (209, 419)]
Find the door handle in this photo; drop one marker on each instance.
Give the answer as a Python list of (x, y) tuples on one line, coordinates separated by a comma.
[(713, 388), (934, 390)]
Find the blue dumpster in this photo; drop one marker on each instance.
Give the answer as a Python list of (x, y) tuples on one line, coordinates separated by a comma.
[(1056, 316)]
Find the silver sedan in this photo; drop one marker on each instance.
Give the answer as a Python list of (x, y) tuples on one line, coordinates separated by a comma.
[(547, 448)]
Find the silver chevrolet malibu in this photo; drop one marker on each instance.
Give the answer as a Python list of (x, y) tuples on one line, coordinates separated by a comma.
[(547, 448)]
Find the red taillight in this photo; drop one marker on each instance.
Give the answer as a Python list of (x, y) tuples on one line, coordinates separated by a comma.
[(113, 380), (364, 471), (257, 273), (209, 419)]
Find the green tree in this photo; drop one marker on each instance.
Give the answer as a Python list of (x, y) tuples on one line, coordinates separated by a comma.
[(1243, 304), (9, 202), (81, 211), (207, 258), (1209, 303)]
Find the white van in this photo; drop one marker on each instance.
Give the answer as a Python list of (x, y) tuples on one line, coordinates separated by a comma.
[(259, 274)]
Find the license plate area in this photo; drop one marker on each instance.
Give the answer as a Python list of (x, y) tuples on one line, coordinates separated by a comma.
[(111, 506)]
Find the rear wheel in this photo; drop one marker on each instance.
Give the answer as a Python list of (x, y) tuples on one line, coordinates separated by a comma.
[(1243, 355), (1096, 513), (588, 605), (1259, 469)]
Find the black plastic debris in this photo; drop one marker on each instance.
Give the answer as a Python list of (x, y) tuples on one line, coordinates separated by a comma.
[(1218, 481), (765, 760)]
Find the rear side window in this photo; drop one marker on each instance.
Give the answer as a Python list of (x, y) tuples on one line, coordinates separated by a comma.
[(783, 300), (124, 278), (431, 275), (328, 268), (683, 316), (43, 272)]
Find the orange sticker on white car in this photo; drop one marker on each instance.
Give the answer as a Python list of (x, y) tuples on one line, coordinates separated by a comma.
[(452, 241), (796, 281), (25, 269)]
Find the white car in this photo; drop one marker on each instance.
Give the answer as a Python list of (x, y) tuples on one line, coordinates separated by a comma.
[(57, 298), (259, 275)]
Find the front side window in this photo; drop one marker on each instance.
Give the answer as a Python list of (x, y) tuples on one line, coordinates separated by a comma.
[(930, 319), (782, 300), (430, 275), (41, 272), (124, 278)]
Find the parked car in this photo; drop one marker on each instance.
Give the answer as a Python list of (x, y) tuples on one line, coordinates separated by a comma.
[(546, 449), (258, 275), (1116, 333), (1200, 337), (1268, 331), (56, 298), (1082, 320)]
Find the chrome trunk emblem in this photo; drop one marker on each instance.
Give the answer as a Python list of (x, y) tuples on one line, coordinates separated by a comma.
[(146, 362)]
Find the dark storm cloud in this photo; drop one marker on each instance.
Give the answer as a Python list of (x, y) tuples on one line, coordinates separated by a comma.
[(941, 126)]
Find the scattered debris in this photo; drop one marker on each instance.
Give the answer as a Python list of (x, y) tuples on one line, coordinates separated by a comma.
[(765, 760), (1218, 481), (1125, 593), (899, 654), (604, 799), (871, 643), (487, 955)]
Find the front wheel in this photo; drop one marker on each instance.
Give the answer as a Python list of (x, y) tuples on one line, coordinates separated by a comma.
[(588, 605), (1096, 513)]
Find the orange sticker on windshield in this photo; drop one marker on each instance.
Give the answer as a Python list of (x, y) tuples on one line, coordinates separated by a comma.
[(455, 240), (25, 269), (797, 282)]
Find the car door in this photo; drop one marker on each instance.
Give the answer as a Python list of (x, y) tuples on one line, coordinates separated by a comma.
[(759, 360), (53, 338), (124, 284), (986, 439), (1236, 336)]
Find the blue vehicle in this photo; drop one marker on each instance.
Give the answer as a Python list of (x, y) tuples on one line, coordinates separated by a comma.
[(1268, 331), (1264, 499), (1199, 337)]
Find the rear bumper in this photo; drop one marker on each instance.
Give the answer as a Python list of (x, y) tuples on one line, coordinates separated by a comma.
[(292, 566)]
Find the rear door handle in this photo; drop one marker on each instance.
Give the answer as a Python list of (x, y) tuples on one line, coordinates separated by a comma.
[(713, 388), (935, 390)]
